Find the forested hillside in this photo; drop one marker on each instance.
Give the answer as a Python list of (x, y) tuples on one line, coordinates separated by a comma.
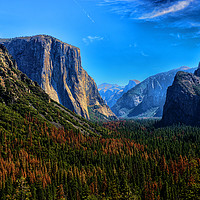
[(57, 68), (133, 161), (47, 152)]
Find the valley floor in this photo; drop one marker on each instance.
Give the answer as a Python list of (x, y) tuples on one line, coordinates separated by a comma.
[(130, 160)]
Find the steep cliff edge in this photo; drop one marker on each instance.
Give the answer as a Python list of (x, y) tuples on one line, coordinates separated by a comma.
[(183, 100), (22, 99), (148, 97), (56, 66)]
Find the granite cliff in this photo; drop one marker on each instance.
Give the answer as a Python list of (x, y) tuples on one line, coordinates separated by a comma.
[(112, 92), (183, 100), (130, 85), (22, 99), (56, 66), (148, 97)]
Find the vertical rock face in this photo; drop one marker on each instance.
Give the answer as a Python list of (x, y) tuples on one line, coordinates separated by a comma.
[(183, 100), (148, 97), (56, 66), (197, 72)]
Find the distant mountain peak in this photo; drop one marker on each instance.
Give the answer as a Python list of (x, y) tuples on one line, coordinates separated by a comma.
[(136, 81), (108, 86), (183, 68), (112, 92), (148, 97), (131, 84)]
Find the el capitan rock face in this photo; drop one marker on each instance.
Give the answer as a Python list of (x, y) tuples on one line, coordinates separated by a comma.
[(56, 66), (148, 97), (183, 100)]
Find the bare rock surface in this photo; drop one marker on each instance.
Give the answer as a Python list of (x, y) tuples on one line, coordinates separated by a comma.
[(183, 100), (56, 66), (147, 98)]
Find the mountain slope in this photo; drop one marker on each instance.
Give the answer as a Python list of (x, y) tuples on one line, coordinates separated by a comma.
[(39, 161), (21, 97), (148, 97), (112, 92), (56, 66), (109, 92), (131, 84), (183, 100)]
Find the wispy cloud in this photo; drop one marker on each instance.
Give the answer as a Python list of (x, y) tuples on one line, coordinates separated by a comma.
[(171, 9), (138, 50), (184, 36), (133, 45), (91, 39), (84, 11), (176, 36), (173, 13), (144, 54)]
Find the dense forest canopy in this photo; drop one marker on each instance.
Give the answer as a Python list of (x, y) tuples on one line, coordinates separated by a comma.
[(47, 152), (133, 160)]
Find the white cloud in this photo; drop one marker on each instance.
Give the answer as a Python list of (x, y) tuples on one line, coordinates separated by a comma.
[(133, 45), (182, 14), (143, 54), (171, 9), (91, 39), (184, 36), (194, 24), (176, 35)]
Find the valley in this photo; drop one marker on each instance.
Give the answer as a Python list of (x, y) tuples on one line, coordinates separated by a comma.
[(48, 151), (100, 100)]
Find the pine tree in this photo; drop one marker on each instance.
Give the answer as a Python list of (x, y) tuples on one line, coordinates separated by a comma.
[(22, 191), (60, 193)]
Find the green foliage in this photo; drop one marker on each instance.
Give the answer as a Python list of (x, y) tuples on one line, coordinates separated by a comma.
[(48, 152), (136, 163), (96, 116)]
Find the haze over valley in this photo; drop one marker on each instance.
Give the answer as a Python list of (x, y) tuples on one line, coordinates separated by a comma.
[(100, 100)]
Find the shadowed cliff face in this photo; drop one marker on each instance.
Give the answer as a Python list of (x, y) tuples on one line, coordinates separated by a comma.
[(183, 100), (56, 66), (148, 97)]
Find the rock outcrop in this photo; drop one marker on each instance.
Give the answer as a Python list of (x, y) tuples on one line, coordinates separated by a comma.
[(23, 102), (197, 71), (148, 97), (131, 84), (14, 85), (183, 100), (112, 92), (56, 66)]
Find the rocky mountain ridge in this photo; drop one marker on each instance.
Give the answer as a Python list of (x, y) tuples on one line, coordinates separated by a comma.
[(148, 97), (183, 100), (20, 98), (56, 66), (112, 92)]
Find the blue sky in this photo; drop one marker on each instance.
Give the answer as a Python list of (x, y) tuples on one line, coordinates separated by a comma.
[(119, 39)]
